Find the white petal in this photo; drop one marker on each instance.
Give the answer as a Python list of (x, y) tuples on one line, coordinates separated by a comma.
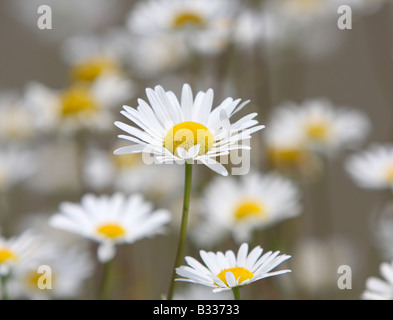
[(106, 252)]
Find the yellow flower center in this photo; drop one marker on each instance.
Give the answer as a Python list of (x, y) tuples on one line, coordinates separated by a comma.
[(111, 231), (6, 255), (188, 134), (91, 69), (33, 279), (389, 174), (188, 19), (284, 156), (317, 131), (239, 272), (250, 209), (77, 100)]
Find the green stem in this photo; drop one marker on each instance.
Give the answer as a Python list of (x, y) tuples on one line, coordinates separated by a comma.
[(236, 293), (4, 294), (183, 227), (106, 280)]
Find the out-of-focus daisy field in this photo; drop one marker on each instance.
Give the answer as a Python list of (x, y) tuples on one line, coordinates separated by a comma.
[(196, 149)]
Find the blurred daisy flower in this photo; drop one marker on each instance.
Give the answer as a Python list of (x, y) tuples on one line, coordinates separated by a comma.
[(21, 251), (91, 57), (65, 274), (380, 289), (110, 220), (16, 120), (238, 207), (204, 25), (189, 130), (286, 151), (227, 271), (78, 106), (372, 168), (322, 126), (16, 165)]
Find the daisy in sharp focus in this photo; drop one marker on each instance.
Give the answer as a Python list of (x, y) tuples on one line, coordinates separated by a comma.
[(110, 220), (226, 271), (204, 25), (378, 289), (240, 206), (372, 168), (189, 130)]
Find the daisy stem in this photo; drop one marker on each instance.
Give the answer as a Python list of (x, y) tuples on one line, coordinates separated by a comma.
[(183, 227), (4, 295), (106, 280), (236, 293)]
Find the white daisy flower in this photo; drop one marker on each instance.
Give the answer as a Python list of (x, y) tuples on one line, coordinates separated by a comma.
[(65, 274), (227, 271), (189, 130), (204, 25), (322, 126), (372, 168), (21, 251), (91, 57), (110, 220), (378, 289), (240, 206), (78, 106)]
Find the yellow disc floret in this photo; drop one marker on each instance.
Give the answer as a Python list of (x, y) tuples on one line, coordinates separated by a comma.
[(239, 272), (187, 19), (248, 209), (389, 174), (91, 69), (111, 231), (77, 100), (188, 134), (317, 131), (6, 255)]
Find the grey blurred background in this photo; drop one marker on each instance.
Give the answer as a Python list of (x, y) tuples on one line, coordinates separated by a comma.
[(358, 74)]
